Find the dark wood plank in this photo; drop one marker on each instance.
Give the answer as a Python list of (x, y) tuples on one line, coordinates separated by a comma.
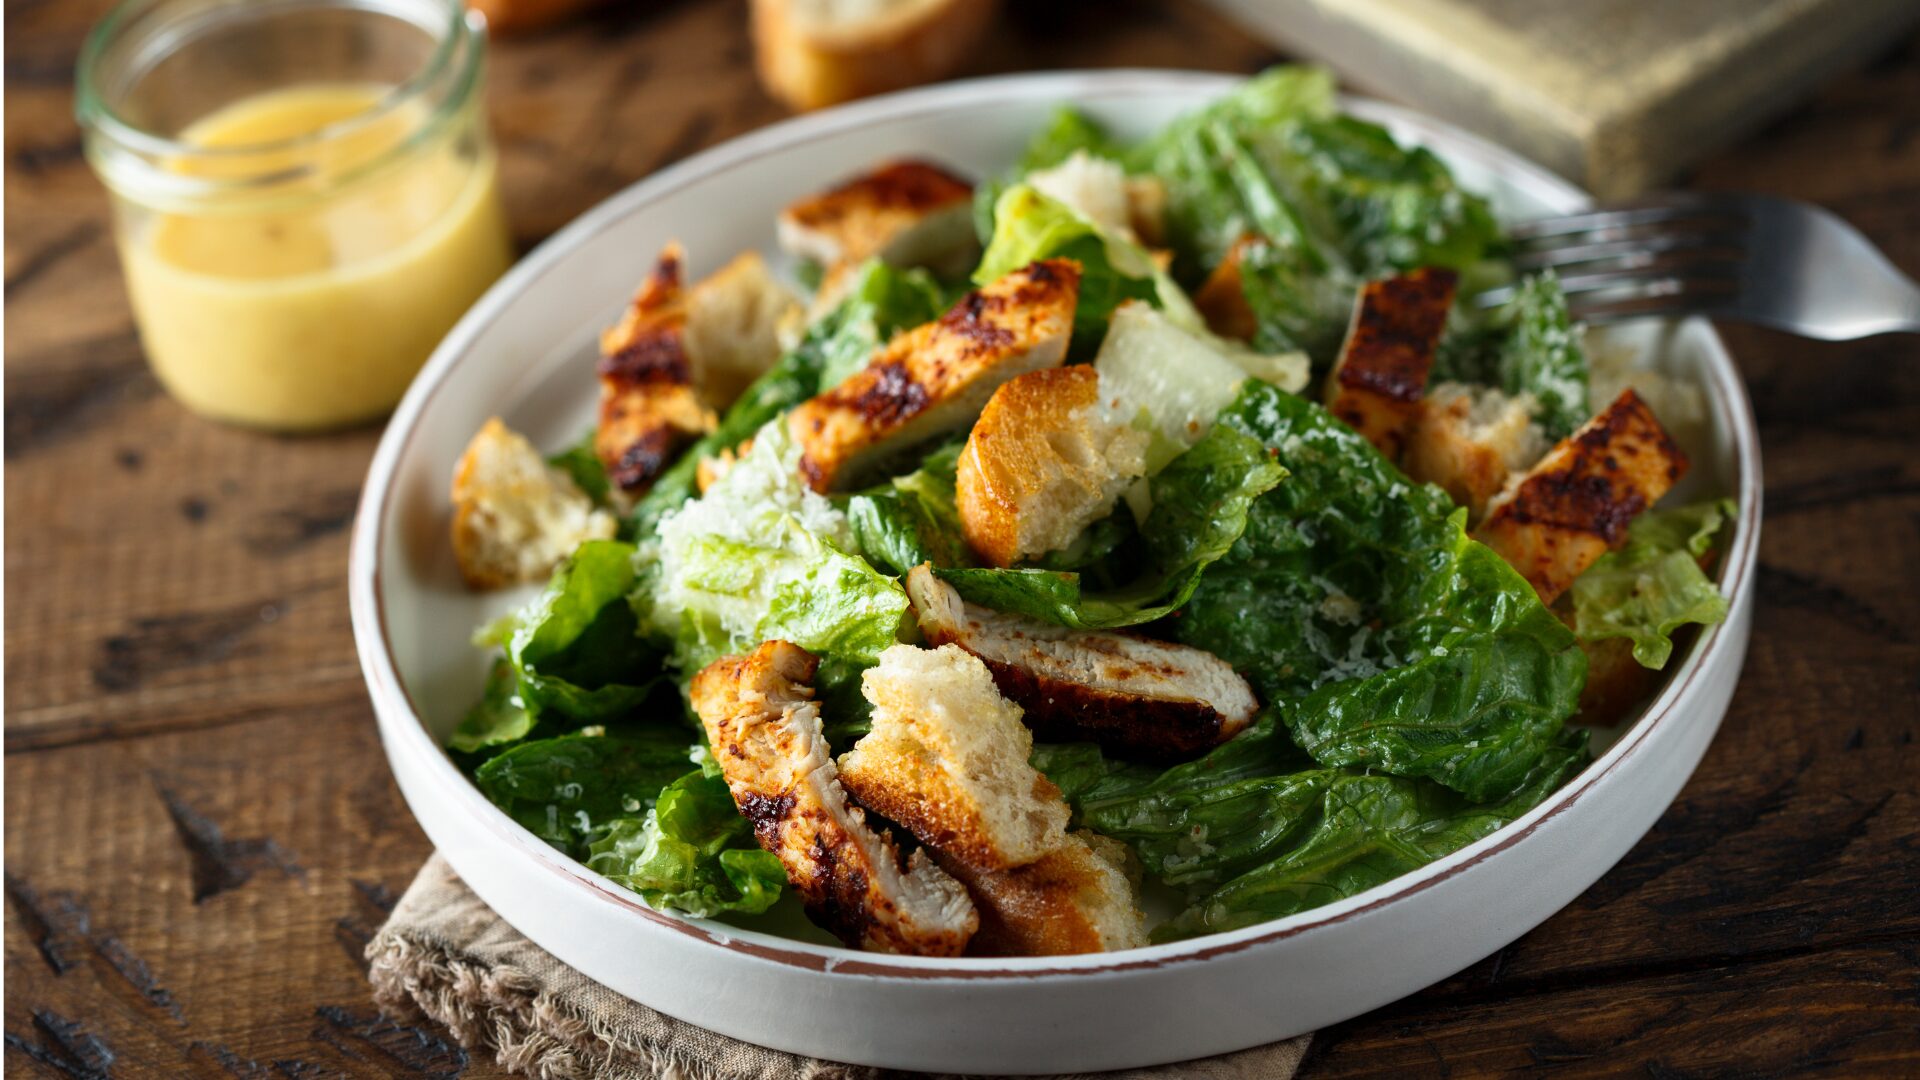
[(201, 825)]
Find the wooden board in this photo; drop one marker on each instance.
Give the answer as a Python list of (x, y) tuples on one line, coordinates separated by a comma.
[(201, 830)]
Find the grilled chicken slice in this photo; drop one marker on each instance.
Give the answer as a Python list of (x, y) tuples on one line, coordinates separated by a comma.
[(1044, 461), (908, 213), (1133, 695), (764, 726), (935, 378), (1469, 439), (1222, 298), (1377, 383), (1576, 503), (947, 760), (649, 408)]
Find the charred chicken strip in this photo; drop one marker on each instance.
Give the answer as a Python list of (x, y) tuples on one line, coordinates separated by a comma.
[(1133, 695), (649, 408), (1575, 505), (936, 378), (1377, 383), (764, 727)]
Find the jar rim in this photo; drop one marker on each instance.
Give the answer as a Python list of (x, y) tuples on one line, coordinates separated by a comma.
[(452, 37)]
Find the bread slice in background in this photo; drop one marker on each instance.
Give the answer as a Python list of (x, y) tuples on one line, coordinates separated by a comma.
[(815, 53)]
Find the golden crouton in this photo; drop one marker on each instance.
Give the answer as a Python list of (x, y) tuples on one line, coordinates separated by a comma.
[(1577, 502), (514, 516), (935, 378), (733, 321), (1469, 439), (947, 760), (649, 409), (1044, 461), (764, 726), (1377, 383)]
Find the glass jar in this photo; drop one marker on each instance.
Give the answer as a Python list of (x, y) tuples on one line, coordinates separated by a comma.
[(304, 194)]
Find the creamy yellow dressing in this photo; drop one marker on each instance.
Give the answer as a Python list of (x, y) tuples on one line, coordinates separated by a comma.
[(311, 303)]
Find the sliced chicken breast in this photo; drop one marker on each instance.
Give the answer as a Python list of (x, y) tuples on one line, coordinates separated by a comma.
[(1133, 695), (764, 727), (908, 213), (1377, 383), (947, 760), (935, 378), (649, 407), (1575, 505)]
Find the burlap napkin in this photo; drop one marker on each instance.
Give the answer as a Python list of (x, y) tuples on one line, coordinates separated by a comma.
[(445, 955)]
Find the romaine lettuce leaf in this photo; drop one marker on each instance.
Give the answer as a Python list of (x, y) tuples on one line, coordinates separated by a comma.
[(1382, 635), (577, 648), (762, 556), (1529, 345), (913, 518), (570, 789), (582, 464), (1069, 131), (692, 852), (1654, 584), (881, 302), (1200, 506), (1029, 226), (1296, 308), (1343, 832), (498, 718)]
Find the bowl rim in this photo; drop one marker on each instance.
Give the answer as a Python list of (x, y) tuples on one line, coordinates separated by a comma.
[(403, 730)]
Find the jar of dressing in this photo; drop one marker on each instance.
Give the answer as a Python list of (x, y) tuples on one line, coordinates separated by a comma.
[(304, 194)]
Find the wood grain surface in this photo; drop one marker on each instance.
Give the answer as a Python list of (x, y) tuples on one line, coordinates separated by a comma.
[(201, 832)]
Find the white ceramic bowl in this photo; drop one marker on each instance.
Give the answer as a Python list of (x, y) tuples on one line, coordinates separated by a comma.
[(525, 353)]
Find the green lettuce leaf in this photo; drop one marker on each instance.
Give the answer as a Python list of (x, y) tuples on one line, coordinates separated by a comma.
[(1296, 308), (568, 790), (1381, 634), (1069, 131), (913, 518), (881, 302), (1029, 226), (1341, 833), (498, 718), (762, 556), (693, 852), (582, 464), (1654, 585), (1528, 345), (576, 648), (1200, 505)]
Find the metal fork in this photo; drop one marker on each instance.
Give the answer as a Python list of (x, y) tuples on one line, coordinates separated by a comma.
[(1747, 258)]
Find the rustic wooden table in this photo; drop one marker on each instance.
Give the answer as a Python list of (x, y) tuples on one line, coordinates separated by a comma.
[(201, 830)]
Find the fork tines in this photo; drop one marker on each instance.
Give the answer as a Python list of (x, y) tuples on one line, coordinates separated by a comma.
[(1660, 255)]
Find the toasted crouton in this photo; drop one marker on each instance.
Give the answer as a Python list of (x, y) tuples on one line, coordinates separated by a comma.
[(733, 320), (1469, 439), (514, 516), (1577, 502), (1147, 209), (947, 759), (907, 213), (815, 53), (649, 408), (1134, 695), (1044, 461), (936, 378), (1377, 383), (1222, 298), (764, 726)]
